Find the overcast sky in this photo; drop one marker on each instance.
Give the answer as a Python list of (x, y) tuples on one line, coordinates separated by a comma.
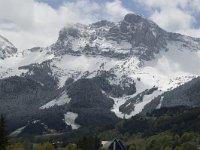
[(29, 23)]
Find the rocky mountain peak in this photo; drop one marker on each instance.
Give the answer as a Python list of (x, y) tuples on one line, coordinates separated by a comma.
[(133, 18), (6, 48), (146, 37), (102, 23), (133, 36), (68, 32)]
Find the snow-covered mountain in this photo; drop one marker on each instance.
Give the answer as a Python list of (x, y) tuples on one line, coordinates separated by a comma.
[(7, 49), (99, 72)]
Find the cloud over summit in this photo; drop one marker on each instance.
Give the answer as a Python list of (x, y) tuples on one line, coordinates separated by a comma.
[(29, 23)]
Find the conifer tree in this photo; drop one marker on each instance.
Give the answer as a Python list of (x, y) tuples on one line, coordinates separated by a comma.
[(3, 135)]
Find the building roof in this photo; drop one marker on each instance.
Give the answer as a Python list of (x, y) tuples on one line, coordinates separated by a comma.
[(115, 144)]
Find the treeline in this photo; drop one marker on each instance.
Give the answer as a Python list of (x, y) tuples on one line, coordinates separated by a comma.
[(8, 143), (84, 143), (165, 141), (164, 129), (184, 95), (176, 120), (3, 134)]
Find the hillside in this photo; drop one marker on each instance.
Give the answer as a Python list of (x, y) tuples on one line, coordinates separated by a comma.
[(94, 75)]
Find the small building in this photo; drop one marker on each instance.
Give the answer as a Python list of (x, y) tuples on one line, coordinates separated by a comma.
[(115, 144)]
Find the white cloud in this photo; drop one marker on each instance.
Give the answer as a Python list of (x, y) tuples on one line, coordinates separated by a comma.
[(18, 11), (172, 19), (114, 10), (27, 23), (165, 3), (174, 15)]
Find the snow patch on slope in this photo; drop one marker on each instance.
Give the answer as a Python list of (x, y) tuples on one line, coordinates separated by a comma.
[(160, 104), (17, 132), (146, 99), (9, 66), (62, 100), (138, 106), (117, 103), (70, 118), (76, 66)]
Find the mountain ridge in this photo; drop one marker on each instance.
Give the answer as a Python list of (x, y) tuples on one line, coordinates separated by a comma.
[(121, 67), (7, 49)]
